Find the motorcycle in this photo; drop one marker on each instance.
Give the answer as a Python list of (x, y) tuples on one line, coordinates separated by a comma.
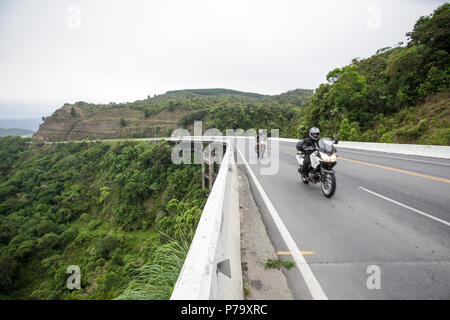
[(322, 161), (261, 148)]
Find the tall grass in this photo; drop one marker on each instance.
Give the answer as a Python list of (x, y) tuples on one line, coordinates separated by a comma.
[(156, 280)]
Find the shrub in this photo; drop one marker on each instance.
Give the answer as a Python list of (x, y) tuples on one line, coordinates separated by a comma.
[(8, 272), (106, 246), (49, 241), (387, 137)]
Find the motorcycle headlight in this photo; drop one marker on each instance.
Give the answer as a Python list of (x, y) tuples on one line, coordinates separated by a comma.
[(333, 157), (324, 157)]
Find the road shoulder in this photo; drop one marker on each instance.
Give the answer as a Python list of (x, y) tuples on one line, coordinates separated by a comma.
[(260, 283)]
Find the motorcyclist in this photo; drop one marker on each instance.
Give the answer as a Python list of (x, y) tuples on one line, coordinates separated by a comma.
[(260, 138), (308, 146)]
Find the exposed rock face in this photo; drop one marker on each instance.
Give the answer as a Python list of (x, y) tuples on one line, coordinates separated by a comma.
[(65, 124)]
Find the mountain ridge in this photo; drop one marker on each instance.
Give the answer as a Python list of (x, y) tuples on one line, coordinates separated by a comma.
[(161, 114)]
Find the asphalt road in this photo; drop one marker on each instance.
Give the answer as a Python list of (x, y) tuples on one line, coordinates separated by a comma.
[(390, 213)]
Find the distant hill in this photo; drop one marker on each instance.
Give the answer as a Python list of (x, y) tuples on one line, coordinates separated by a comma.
[(216, 92), (26, 123), (161, 114), (14, 132)]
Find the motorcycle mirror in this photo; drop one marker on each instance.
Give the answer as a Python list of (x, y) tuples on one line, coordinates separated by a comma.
[(336, 141)]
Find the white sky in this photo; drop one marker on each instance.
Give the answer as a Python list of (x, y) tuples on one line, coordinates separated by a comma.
[(52, 52)]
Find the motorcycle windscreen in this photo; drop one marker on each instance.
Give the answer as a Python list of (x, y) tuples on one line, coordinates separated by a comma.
[(326, 144)]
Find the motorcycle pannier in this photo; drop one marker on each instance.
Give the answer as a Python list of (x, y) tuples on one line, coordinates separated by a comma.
[(299, 145)]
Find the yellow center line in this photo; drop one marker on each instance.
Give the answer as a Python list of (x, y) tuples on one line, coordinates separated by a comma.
[(426, 176), (284, 253), (421, 175)]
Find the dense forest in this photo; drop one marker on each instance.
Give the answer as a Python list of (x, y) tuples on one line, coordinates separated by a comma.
[(229, 109), (400, 94), (122, 212)]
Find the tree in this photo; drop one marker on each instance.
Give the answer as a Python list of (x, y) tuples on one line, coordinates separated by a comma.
[(344, 130), (49, 241), (433, 30), (106, 246), (123, 123), (73, 112), (348, 93), (8, 272)]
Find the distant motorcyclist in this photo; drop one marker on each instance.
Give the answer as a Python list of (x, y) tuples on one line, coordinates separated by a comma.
[(308, 146), (260, 138)]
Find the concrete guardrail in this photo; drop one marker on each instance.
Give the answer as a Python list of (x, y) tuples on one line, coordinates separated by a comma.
[(212, 269), (406, 149)]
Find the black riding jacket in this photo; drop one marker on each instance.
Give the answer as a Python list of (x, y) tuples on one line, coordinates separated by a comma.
[(307, 143)]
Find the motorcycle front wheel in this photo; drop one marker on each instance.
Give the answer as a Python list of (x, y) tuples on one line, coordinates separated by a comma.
[(328, 184)]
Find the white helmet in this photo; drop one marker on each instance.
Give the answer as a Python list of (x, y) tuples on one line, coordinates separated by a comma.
[(314, 133)]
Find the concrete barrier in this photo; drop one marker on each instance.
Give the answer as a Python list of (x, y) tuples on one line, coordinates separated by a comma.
[(406, 149), (212, 269)]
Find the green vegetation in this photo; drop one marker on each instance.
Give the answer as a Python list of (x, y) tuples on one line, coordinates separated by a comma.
[(216, 92), (398, 95), (245, 290), (225, 109), (120, 211), (160, 115), (277, 264)]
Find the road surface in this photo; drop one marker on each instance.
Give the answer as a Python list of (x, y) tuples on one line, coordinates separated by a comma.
[(385, 233)]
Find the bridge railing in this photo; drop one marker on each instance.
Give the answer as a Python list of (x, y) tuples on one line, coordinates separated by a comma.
[(212, 268), (433, 151)]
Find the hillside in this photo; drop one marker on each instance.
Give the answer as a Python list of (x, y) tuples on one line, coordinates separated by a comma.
[(108, 208), (216, 92), (399, 95), (161, 114)]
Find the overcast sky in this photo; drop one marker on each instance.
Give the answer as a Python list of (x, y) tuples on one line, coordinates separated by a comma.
[(52, 52)]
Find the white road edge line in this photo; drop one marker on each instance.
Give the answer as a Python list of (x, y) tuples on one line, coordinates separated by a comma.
[(313, 285), (407, 207)]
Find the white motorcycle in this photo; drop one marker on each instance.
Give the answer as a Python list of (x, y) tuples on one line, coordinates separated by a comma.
[(322, 160)]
